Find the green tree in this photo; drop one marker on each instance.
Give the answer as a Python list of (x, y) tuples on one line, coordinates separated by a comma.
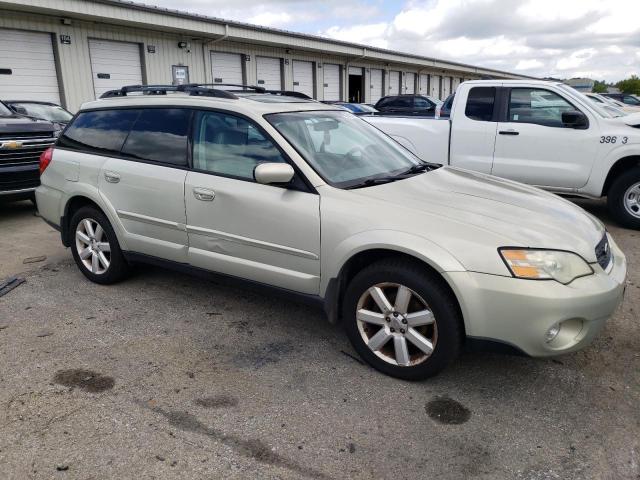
[(630, 85), (599, 87)]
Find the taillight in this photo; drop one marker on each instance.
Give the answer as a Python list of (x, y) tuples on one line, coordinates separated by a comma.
[(45, 159)]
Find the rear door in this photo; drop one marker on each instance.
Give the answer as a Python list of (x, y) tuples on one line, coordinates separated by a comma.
[(265, 233), (145, 185), (473, 130), (114, 65), (534, 146)]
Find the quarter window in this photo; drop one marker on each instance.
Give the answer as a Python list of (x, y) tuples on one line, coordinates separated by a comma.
[(159, 135), (480, 104), (230, 146), (101, 132), (540, 107)]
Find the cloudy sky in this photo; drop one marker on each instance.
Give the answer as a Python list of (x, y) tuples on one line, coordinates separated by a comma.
[(559, 38)]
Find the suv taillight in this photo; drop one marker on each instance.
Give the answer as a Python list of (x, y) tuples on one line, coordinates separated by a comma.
[(45, 159)]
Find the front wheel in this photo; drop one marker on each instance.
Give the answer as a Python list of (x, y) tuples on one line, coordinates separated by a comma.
[(623, 199), (402, 320), (95, 247)]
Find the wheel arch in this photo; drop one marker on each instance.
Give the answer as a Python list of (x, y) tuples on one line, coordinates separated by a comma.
[(620, 166)]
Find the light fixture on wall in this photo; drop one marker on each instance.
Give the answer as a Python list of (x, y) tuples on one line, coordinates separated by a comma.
[(185, 46)]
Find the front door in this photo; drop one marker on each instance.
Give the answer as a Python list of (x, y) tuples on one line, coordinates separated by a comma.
[(533, 145), (265, 233)]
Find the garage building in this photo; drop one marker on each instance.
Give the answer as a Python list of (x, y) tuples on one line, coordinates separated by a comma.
[(72, 51)]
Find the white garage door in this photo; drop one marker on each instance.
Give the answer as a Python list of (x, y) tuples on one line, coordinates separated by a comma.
[(303, 77), (446, 87), (269, 73), (409, 83), (114, 65), (424, 84), (27, 66), (376, 85), (394, 83), (331, 80), (435, 86), (226, 68)]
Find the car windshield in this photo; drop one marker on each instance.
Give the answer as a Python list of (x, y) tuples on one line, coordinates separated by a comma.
[(52, 113), (4, 110), (345, 150), (587, 101)]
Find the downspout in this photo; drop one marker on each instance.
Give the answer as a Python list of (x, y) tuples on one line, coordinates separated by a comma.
[(206, 44), (346, 81)]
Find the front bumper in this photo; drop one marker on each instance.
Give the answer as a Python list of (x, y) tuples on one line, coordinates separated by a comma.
[(519, 312)]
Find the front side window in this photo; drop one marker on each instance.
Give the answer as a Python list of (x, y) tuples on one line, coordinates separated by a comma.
[(480, 103), (159, 135), (344, 150), (102, 131), (231, 146), (537, 106)]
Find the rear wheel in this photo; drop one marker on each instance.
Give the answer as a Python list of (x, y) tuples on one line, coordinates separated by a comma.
[(623, 199), (95, 247), (402, 320)]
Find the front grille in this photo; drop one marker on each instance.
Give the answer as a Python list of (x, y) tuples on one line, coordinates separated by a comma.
[(19, 180), (28, 154), (19, 166), (603, 252)]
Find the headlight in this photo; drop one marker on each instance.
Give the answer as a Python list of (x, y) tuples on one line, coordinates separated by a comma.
[(563, 267)]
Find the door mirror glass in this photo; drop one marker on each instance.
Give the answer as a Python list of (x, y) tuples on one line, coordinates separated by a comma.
[(267, 173), (574, 119)]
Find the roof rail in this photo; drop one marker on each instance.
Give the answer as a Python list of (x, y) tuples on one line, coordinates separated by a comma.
[(239, 85), (289, 93), (190, 88)]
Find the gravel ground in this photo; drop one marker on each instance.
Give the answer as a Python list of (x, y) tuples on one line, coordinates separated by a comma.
[(168, 376)]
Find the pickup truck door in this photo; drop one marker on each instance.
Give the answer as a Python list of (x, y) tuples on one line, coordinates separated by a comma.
[(533, 145), (473, 130), (264, 233)]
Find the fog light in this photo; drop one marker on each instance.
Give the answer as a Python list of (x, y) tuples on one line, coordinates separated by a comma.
[(552, 333)]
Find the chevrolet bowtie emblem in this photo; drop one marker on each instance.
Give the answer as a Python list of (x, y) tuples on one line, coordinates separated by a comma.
[(12, 145)]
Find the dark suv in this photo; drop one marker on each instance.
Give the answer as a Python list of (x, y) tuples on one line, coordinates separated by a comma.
[(22, 140), (626, 98), (407, 105)]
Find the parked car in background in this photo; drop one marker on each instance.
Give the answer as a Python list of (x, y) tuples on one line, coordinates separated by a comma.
[(357, 108), (542, 133), (42, 110), (444, 109), (422, 105), (626, 98), (607, 105), (414, 258), (22, 141)]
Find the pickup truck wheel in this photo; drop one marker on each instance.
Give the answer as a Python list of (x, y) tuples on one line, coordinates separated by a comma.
[(95, 247), (401, 320), (623, 199)]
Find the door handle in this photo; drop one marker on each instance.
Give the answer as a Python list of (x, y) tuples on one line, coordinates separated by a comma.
[(111, 177), (204, 194), (509, 132)]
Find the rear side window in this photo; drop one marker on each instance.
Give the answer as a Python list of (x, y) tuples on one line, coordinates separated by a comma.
[(421, 103), (159, 135), (385, 102), (480, 104), (101, 132)]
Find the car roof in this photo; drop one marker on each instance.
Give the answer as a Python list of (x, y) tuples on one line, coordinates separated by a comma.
[(247, 103)]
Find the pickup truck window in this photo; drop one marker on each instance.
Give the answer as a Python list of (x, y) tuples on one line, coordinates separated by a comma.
[(537, 106), (480, 104), (230, 146)]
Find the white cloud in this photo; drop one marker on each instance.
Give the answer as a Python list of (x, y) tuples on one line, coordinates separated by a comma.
[(270, 19), (374, 34), (529, 64)]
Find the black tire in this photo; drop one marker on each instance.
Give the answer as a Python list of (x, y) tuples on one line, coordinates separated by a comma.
[(439, 300), (118, 267), (616, 199)]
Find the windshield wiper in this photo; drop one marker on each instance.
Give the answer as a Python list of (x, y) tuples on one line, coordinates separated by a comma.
[(376, 181), (420, 167)]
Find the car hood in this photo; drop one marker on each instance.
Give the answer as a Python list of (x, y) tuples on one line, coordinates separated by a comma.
[(22, 124), (518, 214)]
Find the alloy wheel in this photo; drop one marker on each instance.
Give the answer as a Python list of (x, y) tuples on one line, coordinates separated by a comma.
[(396, 324), (93, 246), (632, 200)]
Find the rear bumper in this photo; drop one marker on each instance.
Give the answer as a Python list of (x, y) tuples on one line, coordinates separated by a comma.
[(519, 312)]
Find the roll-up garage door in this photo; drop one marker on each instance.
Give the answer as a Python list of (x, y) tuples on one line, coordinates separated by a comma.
[(394, 83), (424, 84), (455, 83), (226, 68), (114, 65), (435, 86), (303, 77), (446, 87), (269, 73), (331, 79), (409, 83), (27, 66), (376, 85)]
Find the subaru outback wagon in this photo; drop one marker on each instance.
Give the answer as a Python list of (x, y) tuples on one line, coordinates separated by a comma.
[(415, 259)]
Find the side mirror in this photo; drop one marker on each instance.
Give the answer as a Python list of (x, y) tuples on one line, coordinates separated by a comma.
[(267, 173), (574, 119)]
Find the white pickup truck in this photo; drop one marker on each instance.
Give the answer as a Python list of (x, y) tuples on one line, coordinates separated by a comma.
[(542, 133)]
